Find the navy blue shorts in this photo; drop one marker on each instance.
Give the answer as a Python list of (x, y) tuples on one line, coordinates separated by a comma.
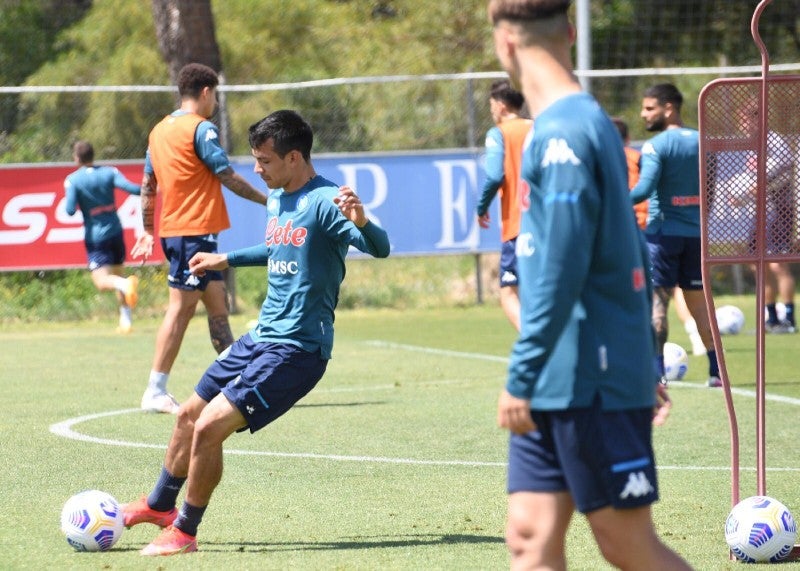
[(109, 252), (179, 250), (263, 380), (600, 458), (508, 263), (676, 261)]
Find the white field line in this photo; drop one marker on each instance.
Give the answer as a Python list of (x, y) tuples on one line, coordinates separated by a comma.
[(65, 428)]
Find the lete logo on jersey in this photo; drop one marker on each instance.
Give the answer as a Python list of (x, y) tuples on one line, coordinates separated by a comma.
[(285, 235)]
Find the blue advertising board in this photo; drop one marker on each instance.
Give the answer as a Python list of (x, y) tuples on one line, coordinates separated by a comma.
[(425, 201)]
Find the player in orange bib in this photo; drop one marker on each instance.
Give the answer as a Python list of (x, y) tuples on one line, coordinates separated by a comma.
[(187, 164)]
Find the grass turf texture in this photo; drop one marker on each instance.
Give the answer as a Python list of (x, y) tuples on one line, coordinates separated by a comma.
[(393, 462)]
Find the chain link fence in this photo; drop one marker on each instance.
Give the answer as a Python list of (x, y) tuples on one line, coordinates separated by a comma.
[(369, 114)]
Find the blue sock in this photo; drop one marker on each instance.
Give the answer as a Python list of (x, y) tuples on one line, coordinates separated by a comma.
[(189, 517), (164, 496), (713, 366)]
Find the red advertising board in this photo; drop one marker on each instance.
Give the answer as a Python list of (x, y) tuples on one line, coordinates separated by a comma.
[(35, 231)]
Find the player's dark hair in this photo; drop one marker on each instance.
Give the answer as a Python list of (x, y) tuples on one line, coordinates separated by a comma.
[(502, 90), (193, 77), (526, 10), (84, 152), (665, 93), (288, 131), (621, 126)]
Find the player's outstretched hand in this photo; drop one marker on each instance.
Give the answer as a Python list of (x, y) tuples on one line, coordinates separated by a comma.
[(203, 261), (484, 221), (514, 413), (143, 247), (350, 205), (663, 405)]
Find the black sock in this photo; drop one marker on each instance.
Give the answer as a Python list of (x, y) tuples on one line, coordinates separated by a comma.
[(189, 517), (164, 496), (772, 313), (713, 366)]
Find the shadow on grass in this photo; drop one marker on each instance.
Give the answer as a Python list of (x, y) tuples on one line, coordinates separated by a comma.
[(347, 543), (338, 404)]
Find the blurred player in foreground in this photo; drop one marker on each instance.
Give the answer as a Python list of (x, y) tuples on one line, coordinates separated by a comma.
[(310, 226), (670, 180), (504, 144), (580, 398), (91, 188), (186, 162)]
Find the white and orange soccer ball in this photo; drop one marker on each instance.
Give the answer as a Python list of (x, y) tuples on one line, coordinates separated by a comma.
[(92, 521), (760, 529)]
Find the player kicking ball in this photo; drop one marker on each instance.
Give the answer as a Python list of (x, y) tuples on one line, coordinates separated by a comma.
[(311, 223)]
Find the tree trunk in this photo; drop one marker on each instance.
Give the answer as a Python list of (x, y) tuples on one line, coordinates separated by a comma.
[(185, 31)]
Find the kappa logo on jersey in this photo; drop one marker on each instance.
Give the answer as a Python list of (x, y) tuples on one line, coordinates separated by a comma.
[(211, 134), (637, 486), (285, 235), (559, 152), (648, 149)]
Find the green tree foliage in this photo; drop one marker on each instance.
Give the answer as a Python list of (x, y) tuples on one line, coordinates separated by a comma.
[(113, 42)]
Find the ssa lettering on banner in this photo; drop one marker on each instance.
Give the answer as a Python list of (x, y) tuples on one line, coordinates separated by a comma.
[(36, 232)]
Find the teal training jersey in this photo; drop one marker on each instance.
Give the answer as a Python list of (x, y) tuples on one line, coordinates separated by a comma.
[(305, 245), (91, 188), (582, 261), (670, 180)]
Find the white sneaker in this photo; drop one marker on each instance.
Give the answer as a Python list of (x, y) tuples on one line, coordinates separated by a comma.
[(162, 402)]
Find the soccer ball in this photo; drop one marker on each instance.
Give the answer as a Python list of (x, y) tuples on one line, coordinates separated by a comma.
[(676, 361), (730, 320), (92, 521), (760, 529)]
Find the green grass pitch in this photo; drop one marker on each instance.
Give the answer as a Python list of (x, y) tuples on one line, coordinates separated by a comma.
[(392, 462)]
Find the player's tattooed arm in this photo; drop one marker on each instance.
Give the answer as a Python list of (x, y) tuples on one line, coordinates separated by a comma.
[(148, 197), (240, 186)]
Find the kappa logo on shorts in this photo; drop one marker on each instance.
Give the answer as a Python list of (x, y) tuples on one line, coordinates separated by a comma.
[(250, 409), (193, 281), (637, 486)]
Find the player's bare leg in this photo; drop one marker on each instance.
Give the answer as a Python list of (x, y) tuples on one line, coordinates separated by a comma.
[(536, 529), (661, 297), (180, 445), (627, 540), (509, 301), (181, 309), (216, 422)]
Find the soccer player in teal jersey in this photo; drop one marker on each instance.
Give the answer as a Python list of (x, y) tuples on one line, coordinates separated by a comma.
[(581, 389), (91, 189), (311, 224), (670, 180)]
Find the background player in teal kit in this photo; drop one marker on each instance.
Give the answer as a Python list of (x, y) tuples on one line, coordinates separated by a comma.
[(581, 386), (310, 226), (670, 180), (91, 188)]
